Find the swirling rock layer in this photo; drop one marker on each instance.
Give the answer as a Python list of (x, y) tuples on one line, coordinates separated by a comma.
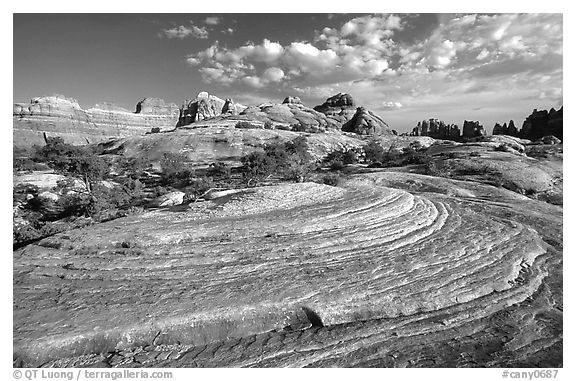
[(297, 275)]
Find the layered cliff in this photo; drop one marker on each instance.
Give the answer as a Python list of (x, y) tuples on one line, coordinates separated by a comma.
[(60, 116)]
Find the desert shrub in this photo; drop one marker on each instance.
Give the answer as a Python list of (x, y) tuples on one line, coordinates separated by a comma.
[(374, 152), (257, 165), (219, 170), (134, 167), (158, 191), (437, 168), (289, 160), (246, 125), (343, 156), (199, 185), (23, 234), (332, 179), (72, 160), (298, 127), (22, 160), (336, 165), (176, 170), (268, 125), (412, 156)]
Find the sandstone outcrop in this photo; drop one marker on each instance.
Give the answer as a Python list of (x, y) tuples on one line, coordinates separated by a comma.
[(156, 106), (340, 107), (60, 116), (206, 106), (229, 107), (549, 139), (542, 123), (295, 100), (365, 122), (168, 199), (472, 129), (436, 129), (509, 129)]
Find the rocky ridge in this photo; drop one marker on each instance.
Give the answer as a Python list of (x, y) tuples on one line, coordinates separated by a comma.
[(543, 123), (206, 106), (436, 129), (60, 116)]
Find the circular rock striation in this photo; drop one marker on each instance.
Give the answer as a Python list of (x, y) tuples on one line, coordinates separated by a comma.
[(292, 275)]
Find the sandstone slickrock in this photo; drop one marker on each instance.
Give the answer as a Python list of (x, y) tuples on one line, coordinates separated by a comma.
[(60, 116), (542, 123), (499, 141), (480, 161), (391, 278), (365, 122), (436, 129), (222, 143), (472, 129)]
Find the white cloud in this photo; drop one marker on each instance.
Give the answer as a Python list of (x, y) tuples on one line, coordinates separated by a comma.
[(391, 105), (465, 62), (441, 55), (254, 81), (182, 31), (483, 54), (273, 74), (212, 20)]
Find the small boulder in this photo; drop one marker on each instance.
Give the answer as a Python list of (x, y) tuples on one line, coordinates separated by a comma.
[(168, 199), (549, 139)]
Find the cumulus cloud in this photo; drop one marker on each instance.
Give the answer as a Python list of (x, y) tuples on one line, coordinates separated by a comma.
[(273, 74), (464, 60), (391, 105), (462, 41), (212, 20), (360, 48), (183, 31)]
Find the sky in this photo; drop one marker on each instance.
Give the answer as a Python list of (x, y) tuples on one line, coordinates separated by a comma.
[(404, 67)]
